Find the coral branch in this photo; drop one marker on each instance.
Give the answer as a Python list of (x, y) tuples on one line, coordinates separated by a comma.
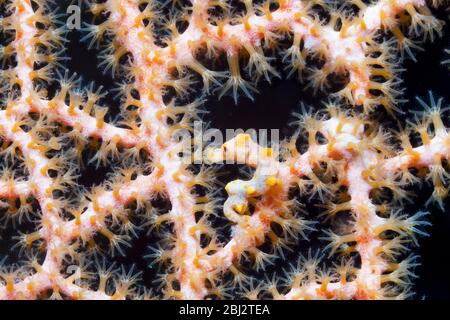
[(50, 125)]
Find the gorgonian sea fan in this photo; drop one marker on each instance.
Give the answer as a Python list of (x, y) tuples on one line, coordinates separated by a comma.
[(209, 238)]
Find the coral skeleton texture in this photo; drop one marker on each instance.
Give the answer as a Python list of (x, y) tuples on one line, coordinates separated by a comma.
[(52, 127)]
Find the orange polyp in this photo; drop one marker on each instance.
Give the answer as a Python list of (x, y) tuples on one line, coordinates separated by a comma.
[(30, 286), (19, 34), (160, 141), (76, 296), (157, 58), (424, 136), (16, 127), (29, 100), (116, 193), (172, 49), (10, 286), (176, 177), (220, 30), (107, 233), (52, 104), (44, 170), (19, 82), (141, 35), (323, 287), (100, 123), (196, 262), (50, 206), (366, 174), (268, 14), (137, 22), (151, 96), (241, 140), (339, 176), (415, 156), (95, 205), (268, 152), (78, 219), (71, 109), (246, 24), (160, 114), (362, 24), (92, 220), (20, 8), (250, 190), (382, 15), (340, 126), (122, 10), (398, 34)]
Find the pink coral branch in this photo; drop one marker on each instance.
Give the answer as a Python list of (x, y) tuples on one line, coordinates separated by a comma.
[(353, 158)]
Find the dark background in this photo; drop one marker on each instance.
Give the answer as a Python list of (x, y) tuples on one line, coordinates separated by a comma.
[(272, 108)]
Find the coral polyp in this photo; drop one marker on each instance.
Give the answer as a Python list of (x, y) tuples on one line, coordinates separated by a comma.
[(209, 237)]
